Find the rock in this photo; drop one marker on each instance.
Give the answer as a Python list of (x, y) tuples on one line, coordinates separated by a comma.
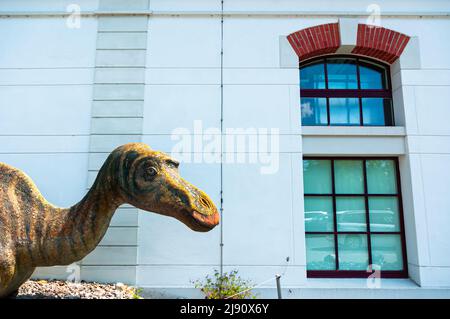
[(57, 289)]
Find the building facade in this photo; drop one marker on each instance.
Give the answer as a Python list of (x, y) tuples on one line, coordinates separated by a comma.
[(319, 128)]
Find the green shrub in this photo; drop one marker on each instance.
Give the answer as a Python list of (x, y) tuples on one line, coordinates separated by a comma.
[(228, 285), (136, 293)]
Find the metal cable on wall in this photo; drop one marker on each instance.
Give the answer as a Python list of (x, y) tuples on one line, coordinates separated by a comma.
[(221, 139)]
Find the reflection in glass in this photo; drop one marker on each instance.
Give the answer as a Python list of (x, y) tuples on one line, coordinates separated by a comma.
[(353, 253), (312, 76), (387, 252), (348, 176), (351, 214), (317, 176), (320, 254), (314, 111), (372, 78), (344, 111), (342, 74), (377, 111), (318, 213), (383, 214), (373, 111), (381, 177)]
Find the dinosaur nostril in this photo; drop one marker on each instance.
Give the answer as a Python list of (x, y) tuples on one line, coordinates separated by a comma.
[(205, 202)]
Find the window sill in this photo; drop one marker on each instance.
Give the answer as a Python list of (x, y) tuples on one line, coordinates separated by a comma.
[(353, 141), (364, 289), (360, 283), (398, 131)]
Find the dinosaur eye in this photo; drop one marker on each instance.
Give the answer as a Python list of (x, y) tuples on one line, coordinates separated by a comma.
[(150, 172), (173, 163)]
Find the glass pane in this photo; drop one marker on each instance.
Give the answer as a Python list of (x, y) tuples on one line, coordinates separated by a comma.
[(351, 214), (353, 252), (312, 76), (318, 213), (383, 214), (344, 111), (387, 252), (317, 176), (377, 111), (314, 111), (320, 254), (381, 177), (348, 176), (342, 74), (372, 77), (373, 111)]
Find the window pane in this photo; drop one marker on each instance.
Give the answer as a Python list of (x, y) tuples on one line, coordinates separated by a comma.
[(317, 176), (383, 214), (353, 252), (314, 111), (373, 111), (351, 214), (381, 177), (344, 111), (348, 176), (320, 254), (377, 111), (342, 74), (372, 78), (387, 252), (318, 213), (312, 76)]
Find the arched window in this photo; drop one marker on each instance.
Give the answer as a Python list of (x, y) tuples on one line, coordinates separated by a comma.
[(345, 90)]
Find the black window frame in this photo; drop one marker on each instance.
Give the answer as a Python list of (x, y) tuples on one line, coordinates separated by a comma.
[(403, 273), (351, 93)]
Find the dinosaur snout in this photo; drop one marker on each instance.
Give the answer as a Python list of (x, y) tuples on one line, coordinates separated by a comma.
[(209, 221), (205, 214)]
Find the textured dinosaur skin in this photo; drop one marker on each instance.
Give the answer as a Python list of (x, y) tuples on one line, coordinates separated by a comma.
[(35, 233)]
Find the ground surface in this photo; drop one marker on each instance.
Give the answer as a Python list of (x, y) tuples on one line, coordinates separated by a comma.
[(55, 289)]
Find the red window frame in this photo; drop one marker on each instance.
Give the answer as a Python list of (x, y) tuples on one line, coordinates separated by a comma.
[(350, 93), (360, 273)]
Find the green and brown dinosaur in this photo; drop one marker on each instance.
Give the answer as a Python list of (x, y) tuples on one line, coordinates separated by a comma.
[(35, 233)]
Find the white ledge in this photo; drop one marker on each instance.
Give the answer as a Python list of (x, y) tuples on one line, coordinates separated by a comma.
[(359, 283), (353, 131), (226, 13)]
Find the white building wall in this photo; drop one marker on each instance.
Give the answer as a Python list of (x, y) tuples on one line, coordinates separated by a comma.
[(42, 84), (182, 85), (46, 74), (47, 77), (426, 95), (117, 106), (254, 86)]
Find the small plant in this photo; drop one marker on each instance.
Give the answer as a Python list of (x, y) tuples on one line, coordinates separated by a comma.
[(130, 291), (136, 293), (228, 285)]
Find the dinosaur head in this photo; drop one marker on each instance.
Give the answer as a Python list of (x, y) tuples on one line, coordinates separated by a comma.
[(149, 180)]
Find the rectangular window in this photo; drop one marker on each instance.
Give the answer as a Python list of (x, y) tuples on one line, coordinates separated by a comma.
[(353, 217)]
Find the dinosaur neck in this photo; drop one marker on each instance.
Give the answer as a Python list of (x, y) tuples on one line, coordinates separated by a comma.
[(74, 232)]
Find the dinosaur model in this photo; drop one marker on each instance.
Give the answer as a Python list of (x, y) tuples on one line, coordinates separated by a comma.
[(35, 233)]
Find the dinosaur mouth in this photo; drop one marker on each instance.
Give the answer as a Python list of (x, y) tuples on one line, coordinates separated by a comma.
[(204, 222)]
